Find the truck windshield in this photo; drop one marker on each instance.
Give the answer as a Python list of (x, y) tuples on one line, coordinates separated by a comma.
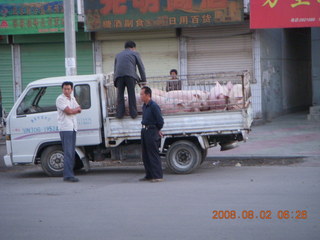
[(39, 100)]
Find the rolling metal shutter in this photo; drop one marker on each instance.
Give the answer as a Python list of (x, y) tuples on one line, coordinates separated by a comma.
[(158, 50), (42, 60), (6, 78), (219, 48)]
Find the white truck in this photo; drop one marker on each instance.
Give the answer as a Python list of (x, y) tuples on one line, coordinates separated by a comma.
[(32, 135)]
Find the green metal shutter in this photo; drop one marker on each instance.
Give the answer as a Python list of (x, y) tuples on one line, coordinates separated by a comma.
[(42, 60), (6, 78)]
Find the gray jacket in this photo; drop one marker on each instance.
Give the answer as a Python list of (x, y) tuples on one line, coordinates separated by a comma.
[(125, 64)]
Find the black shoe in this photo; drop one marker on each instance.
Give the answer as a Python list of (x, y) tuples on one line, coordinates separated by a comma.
[(71, 179)]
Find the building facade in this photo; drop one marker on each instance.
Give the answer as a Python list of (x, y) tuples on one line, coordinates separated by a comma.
[(282, 62)]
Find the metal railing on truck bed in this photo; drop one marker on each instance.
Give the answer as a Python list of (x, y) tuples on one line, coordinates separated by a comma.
[(220, 91)]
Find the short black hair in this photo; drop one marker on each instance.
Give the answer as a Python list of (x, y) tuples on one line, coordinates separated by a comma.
[(147, 90), (130, 44), (174, 70), (67, 83)]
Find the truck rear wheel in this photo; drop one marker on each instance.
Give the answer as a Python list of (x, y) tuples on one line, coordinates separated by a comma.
[(52, 161), (183, 157)]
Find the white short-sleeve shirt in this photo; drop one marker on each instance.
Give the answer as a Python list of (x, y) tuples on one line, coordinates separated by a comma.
[(66, 122)]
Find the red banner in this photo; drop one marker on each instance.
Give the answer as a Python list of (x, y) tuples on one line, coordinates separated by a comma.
[(284, 13)]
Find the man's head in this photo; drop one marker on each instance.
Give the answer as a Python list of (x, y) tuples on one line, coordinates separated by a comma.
[(173, 73), (130, 44), (67, 88), (145, 94)]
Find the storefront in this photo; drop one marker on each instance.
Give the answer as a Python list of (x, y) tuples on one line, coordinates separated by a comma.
[(169, 34), (218, 49), (158, 49), (43, 56), (32, 45)]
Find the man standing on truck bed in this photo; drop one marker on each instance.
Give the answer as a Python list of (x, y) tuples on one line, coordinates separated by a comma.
[(125, 75), (152, 122), (68, 107)]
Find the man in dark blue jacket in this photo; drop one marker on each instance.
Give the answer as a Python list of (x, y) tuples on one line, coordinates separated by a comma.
[(152, 123), (125, 75)]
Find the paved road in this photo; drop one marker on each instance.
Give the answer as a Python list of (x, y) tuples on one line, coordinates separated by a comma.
[(109, 203), (279, 171)]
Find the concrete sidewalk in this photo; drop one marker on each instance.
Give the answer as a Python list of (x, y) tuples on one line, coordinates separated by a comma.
[(290, 135)]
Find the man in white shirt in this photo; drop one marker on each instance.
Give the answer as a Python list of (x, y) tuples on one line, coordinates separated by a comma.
[(68, 107)]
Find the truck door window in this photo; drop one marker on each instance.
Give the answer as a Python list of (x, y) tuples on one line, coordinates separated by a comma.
[(48, 97), (82, 95), (39, 100)]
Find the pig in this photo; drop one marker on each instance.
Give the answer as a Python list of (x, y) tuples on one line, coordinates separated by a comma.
[(158, 92), (186, 95), (217, 97), (192, 100), (169, 105)]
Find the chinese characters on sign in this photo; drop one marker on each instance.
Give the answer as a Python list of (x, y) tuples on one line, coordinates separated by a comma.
[(31, 16), (144, 14), (284, 14)]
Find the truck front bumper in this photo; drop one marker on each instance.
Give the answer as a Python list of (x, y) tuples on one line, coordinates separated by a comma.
[(7, 160)]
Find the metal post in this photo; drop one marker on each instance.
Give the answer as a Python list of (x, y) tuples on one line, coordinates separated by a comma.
[(16, 60), (70, 38)]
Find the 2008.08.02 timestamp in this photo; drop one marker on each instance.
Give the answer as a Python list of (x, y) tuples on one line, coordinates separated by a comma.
[(262, 214)]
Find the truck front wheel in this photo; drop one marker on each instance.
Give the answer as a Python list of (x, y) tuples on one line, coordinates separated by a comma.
[(52, 161), (183, 157)]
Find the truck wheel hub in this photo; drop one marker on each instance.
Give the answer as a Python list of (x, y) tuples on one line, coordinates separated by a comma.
[(184, 157), (56, 161)]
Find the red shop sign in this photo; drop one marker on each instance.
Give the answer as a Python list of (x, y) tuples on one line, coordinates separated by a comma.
[(284, 13)]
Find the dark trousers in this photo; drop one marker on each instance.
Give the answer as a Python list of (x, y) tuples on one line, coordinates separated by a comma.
[(68, 139), (130, 83), (150, 142)]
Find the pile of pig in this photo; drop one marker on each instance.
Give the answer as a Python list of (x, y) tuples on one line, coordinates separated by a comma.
[(220, 97)]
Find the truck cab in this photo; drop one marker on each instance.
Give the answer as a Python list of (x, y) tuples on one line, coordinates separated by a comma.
[(32, 129)]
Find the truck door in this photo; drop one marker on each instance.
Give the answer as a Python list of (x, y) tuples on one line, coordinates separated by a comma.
[(89, 120), (32, 121)]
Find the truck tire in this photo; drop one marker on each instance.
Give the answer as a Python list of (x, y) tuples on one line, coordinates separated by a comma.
[(183, 157), (52, 161)]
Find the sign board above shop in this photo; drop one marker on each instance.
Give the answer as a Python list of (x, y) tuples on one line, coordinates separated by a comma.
[(31, 16), (115, 15), (284, 13)]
